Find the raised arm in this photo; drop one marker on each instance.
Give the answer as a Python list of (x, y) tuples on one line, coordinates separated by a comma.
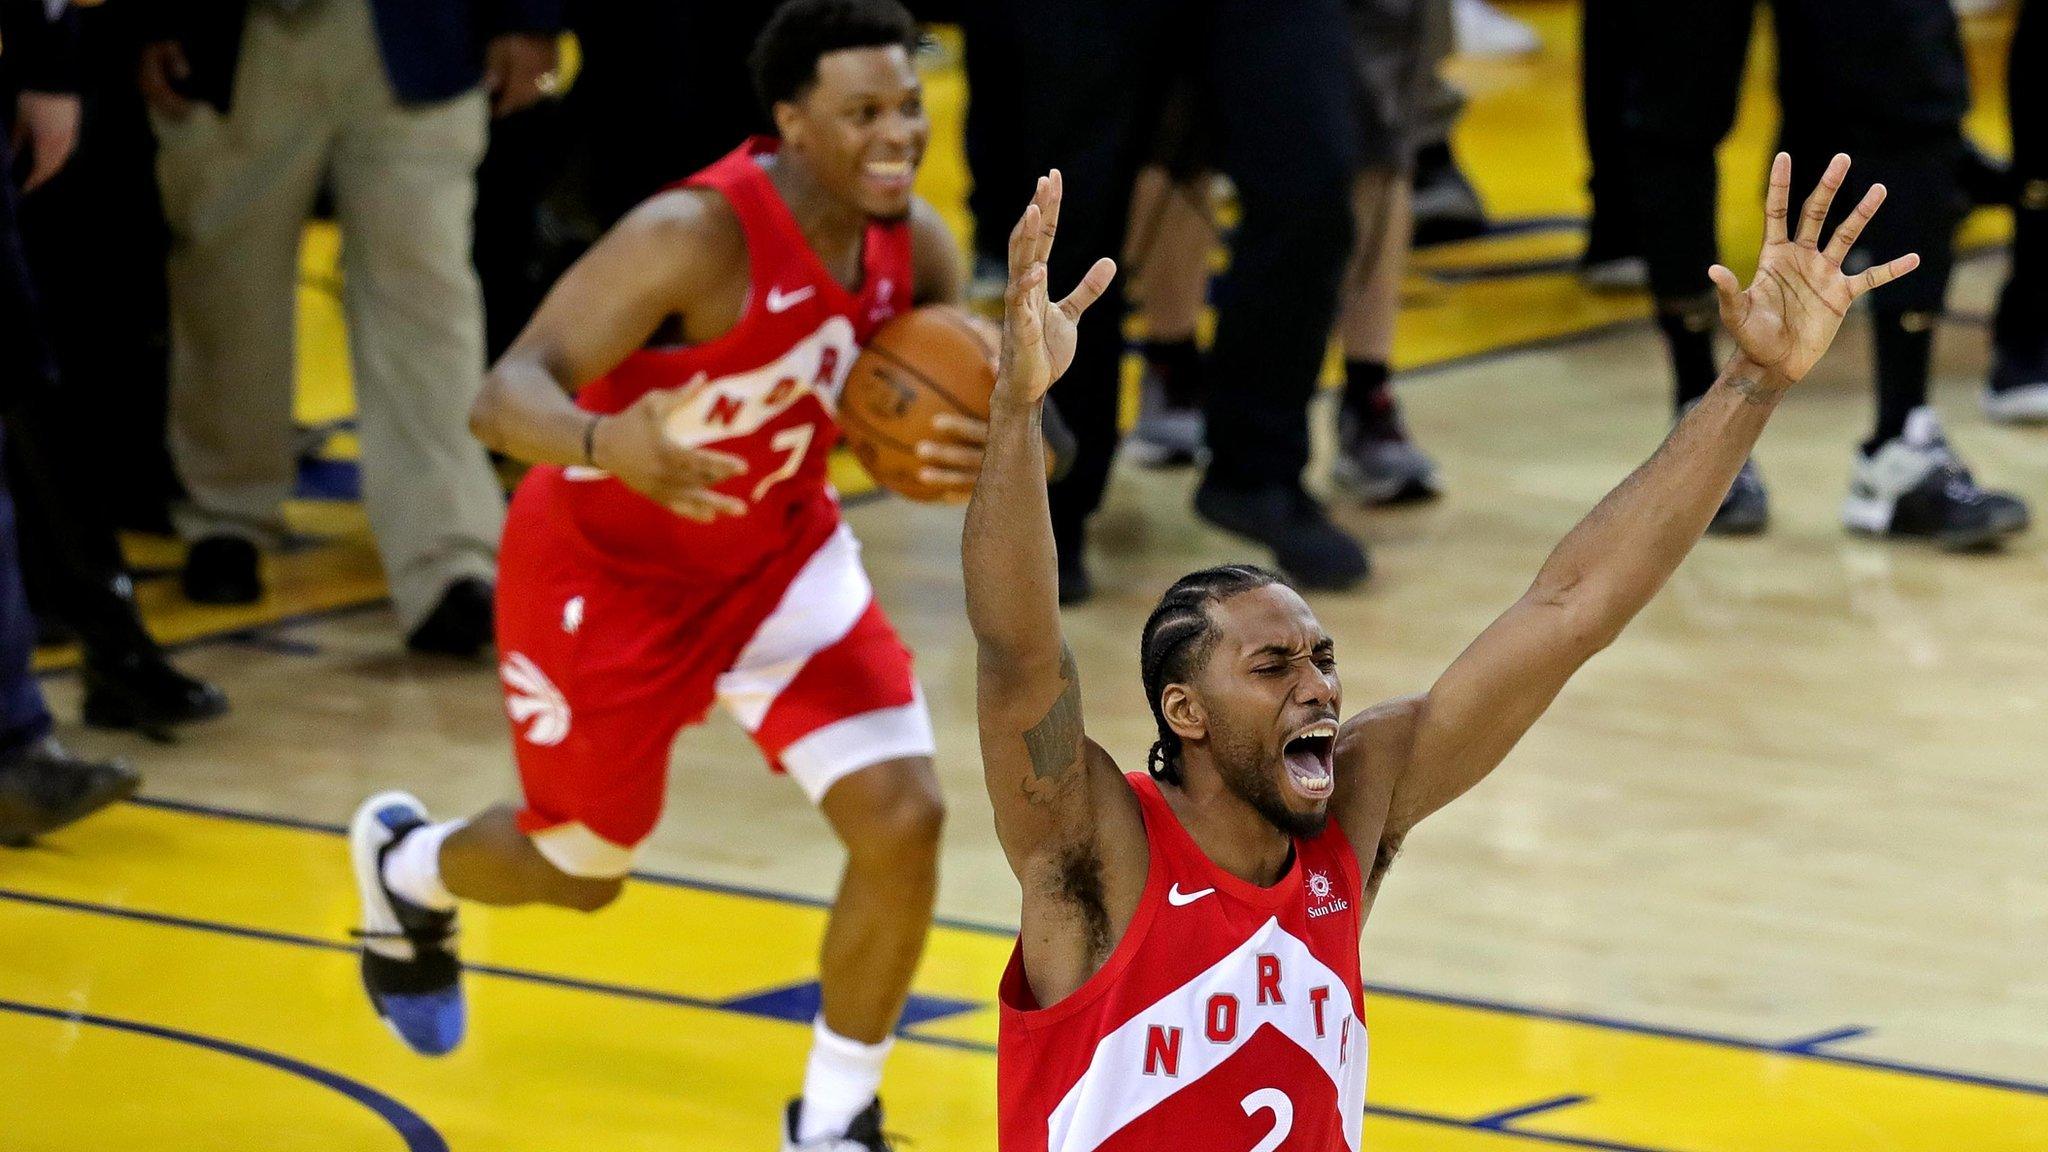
[(1028, 695), (1609, 567), (652, 265)]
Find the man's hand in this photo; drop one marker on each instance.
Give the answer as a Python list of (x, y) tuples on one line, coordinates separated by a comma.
[(1788, 316), (159, 72), (1038, 336), (519, 69), (47, 122), (953, 460), (636, 447)]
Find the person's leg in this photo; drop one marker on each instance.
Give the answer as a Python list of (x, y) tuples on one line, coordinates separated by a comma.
[(2019, 380), (1280, 83), (237, 189), (1166, 258), (1684, 81), (592, 740), (1074, 89), (1612, 258), (825, 688), (405, 193), (1902, 124), (24, 719)]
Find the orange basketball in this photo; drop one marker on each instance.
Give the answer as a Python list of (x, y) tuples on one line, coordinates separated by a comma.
[(921, 364)]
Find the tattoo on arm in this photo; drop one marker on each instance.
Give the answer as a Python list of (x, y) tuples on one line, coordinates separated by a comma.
[(1054, 743), (1754, 391)]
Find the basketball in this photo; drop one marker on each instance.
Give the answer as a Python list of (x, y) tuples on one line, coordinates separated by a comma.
[(918, 366)]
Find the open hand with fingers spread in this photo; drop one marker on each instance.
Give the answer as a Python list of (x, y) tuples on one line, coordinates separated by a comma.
[(1789, 314), (1038, 336), (637, 447)]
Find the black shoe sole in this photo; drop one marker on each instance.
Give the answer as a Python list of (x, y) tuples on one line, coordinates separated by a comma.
[(113, 713)]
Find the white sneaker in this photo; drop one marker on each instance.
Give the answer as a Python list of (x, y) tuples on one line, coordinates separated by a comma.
[(1914, 487), (1977, 7), (408, 958), (1484, 30)]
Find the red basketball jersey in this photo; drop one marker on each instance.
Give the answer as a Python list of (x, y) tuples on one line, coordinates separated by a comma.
[(1230, 1017), (774, 383)]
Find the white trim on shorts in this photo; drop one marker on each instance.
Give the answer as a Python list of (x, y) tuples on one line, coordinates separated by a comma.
[(578, 851), (825, 757), (828, 597)]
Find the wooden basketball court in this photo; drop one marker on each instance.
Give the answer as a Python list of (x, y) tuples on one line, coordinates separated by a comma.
[(1772, 875)]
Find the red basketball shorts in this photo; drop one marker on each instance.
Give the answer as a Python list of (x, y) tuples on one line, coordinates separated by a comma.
[(602, 668)]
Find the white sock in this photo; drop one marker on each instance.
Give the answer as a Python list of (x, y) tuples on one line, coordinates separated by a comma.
[(841, 1079), (413, 869)]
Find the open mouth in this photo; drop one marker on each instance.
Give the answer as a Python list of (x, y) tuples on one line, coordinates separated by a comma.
[(889, 175), (1310, 755)]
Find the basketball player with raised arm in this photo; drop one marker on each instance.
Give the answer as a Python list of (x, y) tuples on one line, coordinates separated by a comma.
[(677, 545), (1187, 973)]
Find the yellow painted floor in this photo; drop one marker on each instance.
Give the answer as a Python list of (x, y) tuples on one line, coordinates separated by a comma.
[(1770, 879), (177, 997)]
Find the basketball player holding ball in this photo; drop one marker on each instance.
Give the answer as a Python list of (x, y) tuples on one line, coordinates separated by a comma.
[(677, 545), (1187, 975)]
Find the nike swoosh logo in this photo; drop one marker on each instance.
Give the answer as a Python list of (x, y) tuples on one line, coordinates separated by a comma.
[(1180, 899), (779, 302)]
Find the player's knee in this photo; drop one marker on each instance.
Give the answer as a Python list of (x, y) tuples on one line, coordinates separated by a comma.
[(902, 828)]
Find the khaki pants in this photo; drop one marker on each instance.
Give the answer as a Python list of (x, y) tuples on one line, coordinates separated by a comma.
[(312, 106)]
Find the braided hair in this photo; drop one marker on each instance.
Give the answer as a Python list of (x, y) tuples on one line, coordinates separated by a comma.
[(1178, 638)]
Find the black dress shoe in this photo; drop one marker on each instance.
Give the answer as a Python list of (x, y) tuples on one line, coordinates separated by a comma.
[(222, 570), (460, 625), (1312, 551), (43, 788), (140, 689)]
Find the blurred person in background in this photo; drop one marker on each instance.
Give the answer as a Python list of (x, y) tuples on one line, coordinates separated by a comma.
[(1397, 48), (257, 104), (1078, 85), (42, 786), (2018, 389), (1887, 84), (74, 351)]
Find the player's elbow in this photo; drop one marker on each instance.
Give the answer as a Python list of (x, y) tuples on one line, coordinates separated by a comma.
[(1584, 618)]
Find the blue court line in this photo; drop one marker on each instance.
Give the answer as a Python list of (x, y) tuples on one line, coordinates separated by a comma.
[(1808, 1044), (1501, 1119), (1527, 1011), (419, 1136), (630, 992)]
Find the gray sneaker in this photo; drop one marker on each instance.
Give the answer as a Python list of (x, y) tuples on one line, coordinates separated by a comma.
[(1382, 470), (1746, 510), (1167, 435)]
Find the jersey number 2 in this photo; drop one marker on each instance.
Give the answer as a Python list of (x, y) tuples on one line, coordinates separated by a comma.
[(1275, 1101), (796, 443)]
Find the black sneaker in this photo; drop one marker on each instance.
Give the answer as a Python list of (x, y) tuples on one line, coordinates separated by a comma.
[(1746, 510), (864, 1134), (460, 625), (1446, 206), (408, 960), (222, 570), (43, 788), (1313, 552), (1914, 487), (140, 689)]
